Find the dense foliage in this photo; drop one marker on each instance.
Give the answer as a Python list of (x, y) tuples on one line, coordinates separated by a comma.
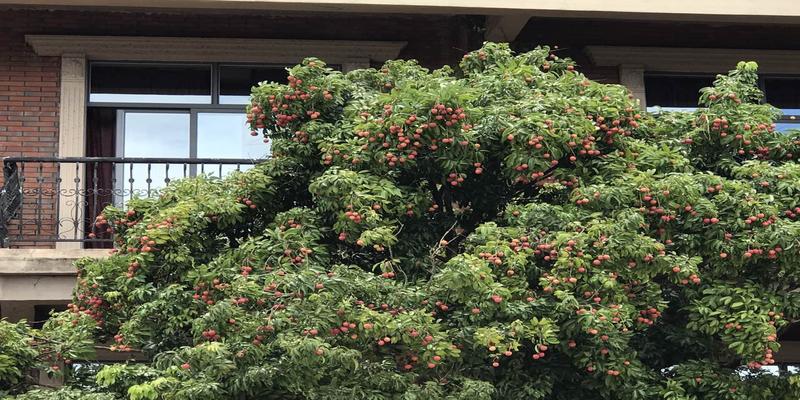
[(511, 230)]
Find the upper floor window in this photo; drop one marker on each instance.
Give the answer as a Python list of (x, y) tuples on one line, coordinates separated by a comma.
[(236, 81), (676, 92), (784, 93), (189, 84), (165, 111), (154, 83)]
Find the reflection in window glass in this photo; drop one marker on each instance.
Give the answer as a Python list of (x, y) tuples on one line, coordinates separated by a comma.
[(153, 135), (236, 82), (226, 135), (785, 126), (132, 83), (674, 91)]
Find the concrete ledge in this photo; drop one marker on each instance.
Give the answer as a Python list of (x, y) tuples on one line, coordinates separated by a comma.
[(42, 289), (44, 261), (771, 11), (40, 276)]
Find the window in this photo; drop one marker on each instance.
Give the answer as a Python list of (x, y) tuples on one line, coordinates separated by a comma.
[(171, 111), (135, 83), (235, 81), (675, 92), (184, 84), (150, 134), (784, 93)]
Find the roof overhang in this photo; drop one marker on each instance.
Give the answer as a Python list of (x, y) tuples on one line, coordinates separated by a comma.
[(773, 11)]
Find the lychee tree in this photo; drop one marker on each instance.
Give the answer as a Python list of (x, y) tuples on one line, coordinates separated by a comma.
[(506, 230)]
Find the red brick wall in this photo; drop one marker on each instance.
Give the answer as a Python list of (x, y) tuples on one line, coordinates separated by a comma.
[(29, 91)]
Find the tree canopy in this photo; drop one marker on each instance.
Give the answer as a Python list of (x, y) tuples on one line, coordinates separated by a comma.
[(506, 229)]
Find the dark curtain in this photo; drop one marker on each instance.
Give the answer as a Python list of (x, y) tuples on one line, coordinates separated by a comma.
[(101, 124)]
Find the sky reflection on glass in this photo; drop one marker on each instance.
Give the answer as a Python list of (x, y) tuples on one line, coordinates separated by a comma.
[(166, 135), (155, 135), (226, 135)]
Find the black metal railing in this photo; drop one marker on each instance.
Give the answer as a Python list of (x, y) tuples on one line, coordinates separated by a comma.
[(52, 199)]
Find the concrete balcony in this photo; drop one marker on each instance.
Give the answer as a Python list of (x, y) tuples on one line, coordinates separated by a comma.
[(34, 280)]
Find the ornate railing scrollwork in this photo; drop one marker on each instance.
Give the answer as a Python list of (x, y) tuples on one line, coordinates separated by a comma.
[(51, 199)]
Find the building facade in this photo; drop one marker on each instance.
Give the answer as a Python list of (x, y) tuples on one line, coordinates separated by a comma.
[(101, 100)]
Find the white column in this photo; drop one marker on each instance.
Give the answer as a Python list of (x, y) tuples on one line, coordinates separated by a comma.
[(632, 77), (72, 143)]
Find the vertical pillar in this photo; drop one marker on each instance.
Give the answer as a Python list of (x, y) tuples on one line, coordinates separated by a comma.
[(72, 143), (632, 77)]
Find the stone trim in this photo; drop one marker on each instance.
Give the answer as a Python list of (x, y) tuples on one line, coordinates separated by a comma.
[(276, 51)]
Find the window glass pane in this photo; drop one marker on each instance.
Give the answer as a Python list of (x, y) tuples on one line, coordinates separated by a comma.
[(226, 135), (785, 126), (151, 135), (156, 134), (235, 82), (674, 91), (783, 93), (131, 83)]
